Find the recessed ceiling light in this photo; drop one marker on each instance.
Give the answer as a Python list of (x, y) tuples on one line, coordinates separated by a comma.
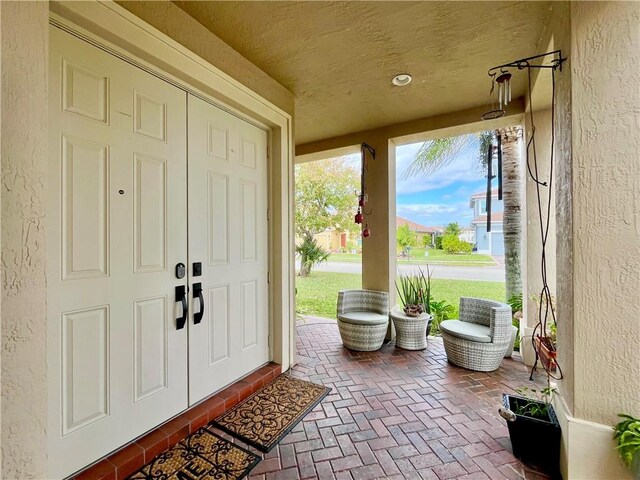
[(401, 79)]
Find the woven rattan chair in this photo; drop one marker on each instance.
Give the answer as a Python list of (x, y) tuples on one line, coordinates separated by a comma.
[(363, 319), (480, 339)]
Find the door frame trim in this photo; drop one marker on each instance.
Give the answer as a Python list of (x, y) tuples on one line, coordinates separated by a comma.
[(133, 40)]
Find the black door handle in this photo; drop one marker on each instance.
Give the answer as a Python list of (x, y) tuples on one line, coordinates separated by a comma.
[(197, 291), (181, 296)]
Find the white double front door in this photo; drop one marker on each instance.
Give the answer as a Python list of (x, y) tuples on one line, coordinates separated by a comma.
[(144, 177)]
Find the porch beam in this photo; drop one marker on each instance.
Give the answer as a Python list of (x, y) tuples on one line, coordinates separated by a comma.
[(448, 124)]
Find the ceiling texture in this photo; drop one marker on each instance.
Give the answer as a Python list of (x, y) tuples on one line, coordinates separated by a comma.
[(338, 58)]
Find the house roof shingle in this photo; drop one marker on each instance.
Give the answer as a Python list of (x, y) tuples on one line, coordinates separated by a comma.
[(416, 227)]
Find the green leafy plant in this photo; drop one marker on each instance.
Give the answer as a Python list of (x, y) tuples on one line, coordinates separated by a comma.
[(516, 308), (538, 402), (414, 291), (516, 303), (627, 434), (441, 310), (405, 237), (453, 229), (311, 254), (438, 242), (452, 244)]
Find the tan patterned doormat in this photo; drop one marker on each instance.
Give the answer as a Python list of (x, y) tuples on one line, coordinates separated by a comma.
[(202, 455), (264, 418)]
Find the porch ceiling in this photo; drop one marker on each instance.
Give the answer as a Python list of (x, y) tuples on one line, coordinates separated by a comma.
[(338, 58)]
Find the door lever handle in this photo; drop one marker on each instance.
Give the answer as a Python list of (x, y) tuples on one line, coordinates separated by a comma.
[(197, 291), (181, 296)]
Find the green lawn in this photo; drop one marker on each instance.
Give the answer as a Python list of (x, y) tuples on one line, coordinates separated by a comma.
[(436, 257), (318, 293)]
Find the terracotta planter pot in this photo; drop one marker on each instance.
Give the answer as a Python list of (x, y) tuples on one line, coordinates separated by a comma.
[(546, 352)]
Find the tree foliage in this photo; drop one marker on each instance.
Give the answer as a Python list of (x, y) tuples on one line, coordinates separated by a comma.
[(434, 155), (453, 229), (325, 196), (406, 237), (311, 254)]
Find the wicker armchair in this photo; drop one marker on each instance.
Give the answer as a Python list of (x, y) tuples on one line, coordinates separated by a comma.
[(480, 339), (363, 319)]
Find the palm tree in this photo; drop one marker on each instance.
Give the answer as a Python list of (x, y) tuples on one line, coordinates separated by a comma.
[(436, 154), (512, 199)]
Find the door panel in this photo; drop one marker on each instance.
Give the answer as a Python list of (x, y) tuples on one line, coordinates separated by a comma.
[(228, 209), (117, 226)]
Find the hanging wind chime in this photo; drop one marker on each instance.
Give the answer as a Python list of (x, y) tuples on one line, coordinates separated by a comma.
[(499, 99), (504, 89), (362, 195)]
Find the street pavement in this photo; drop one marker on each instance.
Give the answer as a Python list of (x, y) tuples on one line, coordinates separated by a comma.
[(487, 274)]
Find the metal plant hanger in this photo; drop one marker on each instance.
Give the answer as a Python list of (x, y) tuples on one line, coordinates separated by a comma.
[(362, 195), (500, 94)]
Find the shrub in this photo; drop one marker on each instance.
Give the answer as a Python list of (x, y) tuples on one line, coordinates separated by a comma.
[(516, 309), (452, 244), (438, 242), (441, 310)]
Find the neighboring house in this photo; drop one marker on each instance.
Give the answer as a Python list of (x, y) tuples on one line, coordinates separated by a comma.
[(468, 234), (422, 231), (487, 242), (335, 240)]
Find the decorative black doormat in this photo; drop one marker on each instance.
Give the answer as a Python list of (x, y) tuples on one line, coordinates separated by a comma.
[(263, 419), (202, 455)]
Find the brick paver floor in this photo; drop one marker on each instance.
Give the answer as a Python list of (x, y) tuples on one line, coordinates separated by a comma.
[(396, 414)]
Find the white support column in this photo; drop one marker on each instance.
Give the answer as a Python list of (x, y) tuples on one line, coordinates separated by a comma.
[(24, 49)]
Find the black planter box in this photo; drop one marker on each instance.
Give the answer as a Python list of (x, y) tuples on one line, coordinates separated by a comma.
[(535, 442)]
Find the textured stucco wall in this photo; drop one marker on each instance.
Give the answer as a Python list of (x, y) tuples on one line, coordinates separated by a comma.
[(24, 52), (606, 208), (184, 29)]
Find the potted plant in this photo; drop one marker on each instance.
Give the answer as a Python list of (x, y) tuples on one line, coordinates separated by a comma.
[(627, 434), (414, 292), (534, 429)]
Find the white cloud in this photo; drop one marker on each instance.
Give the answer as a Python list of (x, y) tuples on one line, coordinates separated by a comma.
[(462, 169), (434, 213)]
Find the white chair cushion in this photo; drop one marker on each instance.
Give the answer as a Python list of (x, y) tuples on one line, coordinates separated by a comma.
[(363, 318), (467, 331)]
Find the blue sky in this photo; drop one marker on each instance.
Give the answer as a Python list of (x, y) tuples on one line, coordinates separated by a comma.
[(441, 197)]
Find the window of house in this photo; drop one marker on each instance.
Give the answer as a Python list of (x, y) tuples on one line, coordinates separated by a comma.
[(483, 206)]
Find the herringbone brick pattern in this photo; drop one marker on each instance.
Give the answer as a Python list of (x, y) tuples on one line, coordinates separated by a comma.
[(396, 414)]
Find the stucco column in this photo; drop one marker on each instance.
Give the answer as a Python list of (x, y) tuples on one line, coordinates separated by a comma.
[(606, 209), (378, 250), (24, 45)]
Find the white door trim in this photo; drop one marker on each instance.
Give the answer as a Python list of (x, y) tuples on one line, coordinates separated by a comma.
[(154, 52)]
